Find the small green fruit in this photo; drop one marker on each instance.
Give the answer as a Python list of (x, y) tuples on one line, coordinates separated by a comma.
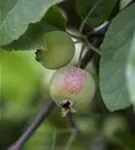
[(59, 50), (72, 89)]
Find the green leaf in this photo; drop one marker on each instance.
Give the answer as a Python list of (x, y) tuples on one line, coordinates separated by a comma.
[(16, 15), (130, 72), (32, 39), (113, 62), (124, 3), (95, 12)]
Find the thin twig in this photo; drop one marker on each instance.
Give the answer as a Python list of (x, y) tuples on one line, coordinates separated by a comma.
[(86, 17), (72, 122), (54, 140), (81, 53), (33, 126), (71, 140), (93, 48), (83, 38)]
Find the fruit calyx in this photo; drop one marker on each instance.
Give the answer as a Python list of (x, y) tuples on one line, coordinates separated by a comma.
[(66, 107)]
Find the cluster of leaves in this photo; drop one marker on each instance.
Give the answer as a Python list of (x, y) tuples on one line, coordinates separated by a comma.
[(22, 27)]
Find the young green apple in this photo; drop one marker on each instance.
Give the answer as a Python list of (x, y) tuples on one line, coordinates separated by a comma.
[(59, 51), (72, 89)]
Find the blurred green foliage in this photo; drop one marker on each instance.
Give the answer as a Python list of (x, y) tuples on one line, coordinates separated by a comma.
[(24, 90), (20, 81)]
